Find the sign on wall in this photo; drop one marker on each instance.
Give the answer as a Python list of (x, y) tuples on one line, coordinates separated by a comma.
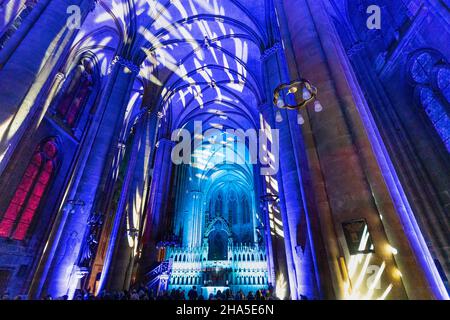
[(357, 236)]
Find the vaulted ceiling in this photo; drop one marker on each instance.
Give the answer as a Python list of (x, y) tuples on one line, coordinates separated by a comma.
[(200, 59)]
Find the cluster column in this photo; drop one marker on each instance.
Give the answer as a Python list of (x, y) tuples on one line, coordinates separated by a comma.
[(157, 217), (59, 263), (347, 180), (26, 62)]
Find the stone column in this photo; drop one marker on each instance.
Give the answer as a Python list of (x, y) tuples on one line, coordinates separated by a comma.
[(27, 64), (292, 195), (57, 266), (196, 223), (346, 176), (287, 197), (192, 219), (157, 204), (122, 263), (119, 253), (419, 170), (262, 209)]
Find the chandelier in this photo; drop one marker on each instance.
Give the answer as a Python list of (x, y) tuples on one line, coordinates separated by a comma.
[(301, 93)]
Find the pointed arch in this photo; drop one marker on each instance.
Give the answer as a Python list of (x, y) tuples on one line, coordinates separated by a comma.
[(30, 193)]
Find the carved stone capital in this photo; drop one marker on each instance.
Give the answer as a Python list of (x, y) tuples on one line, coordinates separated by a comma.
[(126, 64), (355, 49), (270, 51), (60, 76)]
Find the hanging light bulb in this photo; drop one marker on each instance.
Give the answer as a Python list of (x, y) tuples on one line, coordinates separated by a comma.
[(292, 90), (317, 106), (306, 93), (278, 117), (280, 102), (300, 119)]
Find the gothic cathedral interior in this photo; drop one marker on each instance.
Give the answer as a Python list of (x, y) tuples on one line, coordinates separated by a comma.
[(299, 147)]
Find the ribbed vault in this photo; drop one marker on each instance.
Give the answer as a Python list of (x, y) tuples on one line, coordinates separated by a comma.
[(199, 59)]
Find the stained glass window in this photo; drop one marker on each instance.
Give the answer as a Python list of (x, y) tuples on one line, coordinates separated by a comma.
[(421, 68), (75, 97), (443, 82), (29, 194), (432, 81)]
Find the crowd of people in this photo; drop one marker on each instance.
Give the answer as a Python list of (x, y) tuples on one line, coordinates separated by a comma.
[(143, 293)]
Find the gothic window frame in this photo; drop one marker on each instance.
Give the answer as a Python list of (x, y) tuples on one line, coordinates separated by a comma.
[(246, 210), (444, 91), (89, 64), (424, 67), (31, 193), (15, 23), (233, 205)]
